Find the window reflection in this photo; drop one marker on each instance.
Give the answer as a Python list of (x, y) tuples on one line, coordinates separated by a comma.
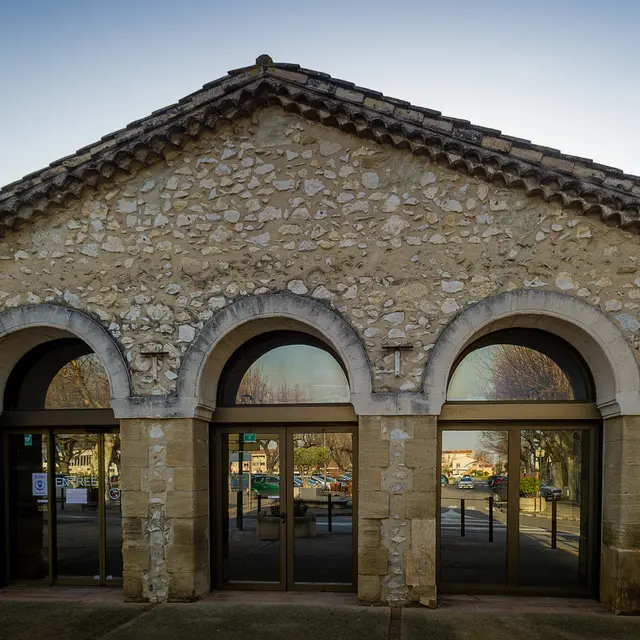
[(294, 374), (81, 384), (509, 372)]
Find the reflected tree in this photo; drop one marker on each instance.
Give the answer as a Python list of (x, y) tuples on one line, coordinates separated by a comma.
[(307, 459), (257, 388), (81, 384), (513, 372)]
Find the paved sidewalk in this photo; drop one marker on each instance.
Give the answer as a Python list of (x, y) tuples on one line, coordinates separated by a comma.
[(77, 614)]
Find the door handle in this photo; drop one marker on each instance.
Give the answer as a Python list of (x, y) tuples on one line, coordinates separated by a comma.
[(283, 517)]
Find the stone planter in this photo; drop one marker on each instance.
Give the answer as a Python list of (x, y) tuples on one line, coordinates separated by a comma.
[(269, 526), (533, 505)]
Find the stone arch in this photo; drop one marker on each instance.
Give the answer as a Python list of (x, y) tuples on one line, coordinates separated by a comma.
[(24, 328), (599, 341), (234, 325)]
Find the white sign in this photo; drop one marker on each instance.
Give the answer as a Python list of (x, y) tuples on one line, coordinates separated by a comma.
[(76, 496), (39, 484)]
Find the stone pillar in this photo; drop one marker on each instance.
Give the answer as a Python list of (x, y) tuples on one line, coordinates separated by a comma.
[(397, 509), (165, 509), (421, 457), (373, 507), (620, 559)]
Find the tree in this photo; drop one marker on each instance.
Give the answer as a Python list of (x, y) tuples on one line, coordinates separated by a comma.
[(513, 372), (81, 384), (256, 388), (307, 459), (272, 455)]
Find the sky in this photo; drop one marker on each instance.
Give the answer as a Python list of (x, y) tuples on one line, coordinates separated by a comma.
[(562, 73), (315, 371)]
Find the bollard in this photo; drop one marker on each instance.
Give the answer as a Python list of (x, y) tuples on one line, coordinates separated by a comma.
[(329, 510), (490, 518), (239, 510), (554, 523), (462, 517)]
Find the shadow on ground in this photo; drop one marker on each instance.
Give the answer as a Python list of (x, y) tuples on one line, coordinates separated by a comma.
[(62, 620), (431, 625), (77, 621)]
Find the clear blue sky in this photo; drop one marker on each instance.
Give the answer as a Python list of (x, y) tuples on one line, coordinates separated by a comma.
[(562, 73)]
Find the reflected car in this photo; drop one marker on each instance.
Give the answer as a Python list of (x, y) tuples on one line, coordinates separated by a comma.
[(465, 483), (499, 492), (493, 480), (550, 493), (344, 479), (312, 482), (444, 481), (321, 479), (265, 486)]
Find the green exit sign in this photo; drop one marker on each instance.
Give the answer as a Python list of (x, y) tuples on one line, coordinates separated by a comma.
[(28, 440), (249, 437)]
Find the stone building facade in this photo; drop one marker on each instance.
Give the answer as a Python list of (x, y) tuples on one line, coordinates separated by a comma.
[(278, 198)]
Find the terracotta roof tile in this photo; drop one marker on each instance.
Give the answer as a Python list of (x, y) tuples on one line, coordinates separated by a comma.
[(591, 187)]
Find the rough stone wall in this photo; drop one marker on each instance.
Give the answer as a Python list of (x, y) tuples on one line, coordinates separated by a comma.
[(394, 242)]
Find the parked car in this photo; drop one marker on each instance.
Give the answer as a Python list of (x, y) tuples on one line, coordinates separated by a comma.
[(310, 481), (493, 480), (465, 482), (550, 492), (344, 479), (265, 486), (444, 481), (325, 481), (499, 492)]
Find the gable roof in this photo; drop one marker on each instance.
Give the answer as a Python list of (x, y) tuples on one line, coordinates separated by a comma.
[(591, 188)]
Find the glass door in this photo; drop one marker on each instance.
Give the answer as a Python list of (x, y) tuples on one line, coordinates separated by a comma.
[(250, 494), (555, 508), (473, 507), (322, 501), (518, 509), (63, 507), (284, 502), (28, 508)]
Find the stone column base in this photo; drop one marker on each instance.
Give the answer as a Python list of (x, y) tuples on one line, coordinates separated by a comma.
[(165, 509), (620, 580)]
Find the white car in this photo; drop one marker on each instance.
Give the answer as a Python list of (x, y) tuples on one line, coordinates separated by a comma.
[(465, 483)]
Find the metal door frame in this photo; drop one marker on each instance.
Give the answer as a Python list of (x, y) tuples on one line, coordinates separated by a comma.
[(219, 503), (35, 422), (514, 427)]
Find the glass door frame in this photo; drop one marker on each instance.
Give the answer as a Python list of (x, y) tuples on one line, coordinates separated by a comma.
[(291, 430), (506, 416), (219, 506), (286, 420), (52, 422)]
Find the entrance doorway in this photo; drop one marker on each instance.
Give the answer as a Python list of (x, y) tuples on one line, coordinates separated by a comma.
[(518, 509), (62, 460), (519, 487), (286, 499), (63, 516)]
